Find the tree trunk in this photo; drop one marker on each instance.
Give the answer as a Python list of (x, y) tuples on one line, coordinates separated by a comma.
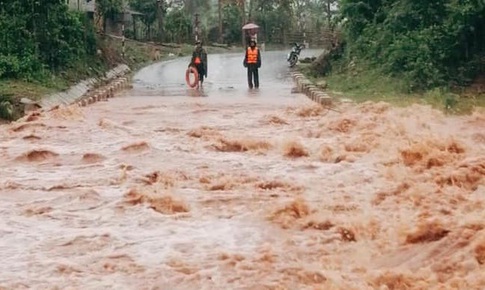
[(160, 20), (243, 13), (134, 29), (220, 20), (104, 24)]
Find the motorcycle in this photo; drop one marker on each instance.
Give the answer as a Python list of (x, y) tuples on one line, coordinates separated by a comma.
[(295, 53)]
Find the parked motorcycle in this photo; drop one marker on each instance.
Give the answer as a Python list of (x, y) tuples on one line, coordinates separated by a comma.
[(295, 53)]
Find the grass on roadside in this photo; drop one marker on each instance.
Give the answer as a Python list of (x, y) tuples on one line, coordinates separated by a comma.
[(50, 83), (18, 88), (361, 85)]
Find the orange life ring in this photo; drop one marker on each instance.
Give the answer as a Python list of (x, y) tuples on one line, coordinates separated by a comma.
[(196, 77)]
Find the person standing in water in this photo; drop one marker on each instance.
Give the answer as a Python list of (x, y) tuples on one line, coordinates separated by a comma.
[(199, 60), (252, 61)]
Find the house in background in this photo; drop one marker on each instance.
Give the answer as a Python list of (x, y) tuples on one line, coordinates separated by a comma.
[(79, 5), (113, 25)]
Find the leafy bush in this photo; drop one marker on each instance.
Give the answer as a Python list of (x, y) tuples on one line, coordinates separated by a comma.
[(41, 36), (428, 43)]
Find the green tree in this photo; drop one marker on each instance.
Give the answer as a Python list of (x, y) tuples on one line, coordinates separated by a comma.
[(428, 43), (178, 26), (232, 23), (40, 36), (149, 8), (196, 6), (108, 9)]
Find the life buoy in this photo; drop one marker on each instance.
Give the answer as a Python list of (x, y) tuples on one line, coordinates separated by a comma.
[(196, 77)]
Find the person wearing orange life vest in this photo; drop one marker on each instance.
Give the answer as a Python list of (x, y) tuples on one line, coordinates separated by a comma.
[(199, 60), (252, 61)]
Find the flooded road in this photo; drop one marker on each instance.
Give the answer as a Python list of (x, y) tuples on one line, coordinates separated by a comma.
[(165, 188), (226, 77)]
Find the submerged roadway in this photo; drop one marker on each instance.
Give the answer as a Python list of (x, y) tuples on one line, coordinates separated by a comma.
[(166, 187)]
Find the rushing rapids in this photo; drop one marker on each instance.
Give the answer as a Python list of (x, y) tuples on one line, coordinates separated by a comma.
[(165, 188)]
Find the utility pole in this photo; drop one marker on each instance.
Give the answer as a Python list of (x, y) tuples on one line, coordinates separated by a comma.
[(123, 33), (220, 21), (197, 22), (160, 19), (243, 13), (304, 29), (98, 18)]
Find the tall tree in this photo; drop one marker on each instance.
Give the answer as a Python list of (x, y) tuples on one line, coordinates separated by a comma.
[(428, 43), (154, 11), (108, 9), (149, 8)]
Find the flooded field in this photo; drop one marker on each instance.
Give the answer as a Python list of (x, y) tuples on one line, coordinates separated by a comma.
[(164, 188)]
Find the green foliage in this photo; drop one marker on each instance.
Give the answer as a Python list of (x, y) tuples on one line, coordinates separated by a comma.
[(148, 8), (429, 44), (232, 23), (275, 18), (109, 8), (38, 37), (178, 26), (196, 6), (278, 19)]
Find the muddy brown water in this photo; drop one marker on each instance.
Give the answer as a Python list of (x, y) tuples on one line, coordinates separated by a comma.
[(165, 188)]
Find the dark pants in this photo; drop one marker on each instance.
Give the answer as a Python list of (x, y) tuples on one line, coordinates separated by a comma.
[(253, 73), (201, 71)]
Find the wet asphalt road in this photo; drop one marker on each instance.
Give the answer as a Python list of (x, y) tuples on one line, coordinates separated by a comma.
[(226, 76)]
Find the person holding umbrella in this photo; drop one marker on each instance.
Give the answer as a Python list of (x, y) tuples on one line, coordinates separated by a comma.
[(250, 32)]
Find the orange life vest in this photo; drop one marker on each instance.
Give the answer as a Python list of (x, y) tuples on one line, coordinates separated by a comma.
[(197, 60), (252, 55)]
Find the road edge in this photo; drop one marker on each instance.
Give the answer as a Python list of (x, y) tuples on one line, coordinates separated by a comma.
[(93, 90), (311, 90)]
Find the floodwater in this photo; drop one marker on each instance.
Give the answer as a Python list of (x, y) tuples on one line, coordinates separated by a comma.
[(166, 188)]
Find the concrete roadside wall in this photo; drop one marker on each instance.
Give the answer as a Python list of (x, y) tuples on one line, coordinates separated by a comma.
[(89, 90), (312, 91)]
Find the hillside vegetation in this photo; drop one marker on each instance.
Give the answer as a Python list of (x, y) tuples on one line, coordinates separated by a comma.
[(39, 37), (46, 47), (407, 47)]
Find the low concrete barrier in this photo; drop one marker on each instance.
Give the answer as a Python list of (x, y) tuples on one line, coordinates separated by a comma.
[(103, 93), (312, 91), (91, 90)]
